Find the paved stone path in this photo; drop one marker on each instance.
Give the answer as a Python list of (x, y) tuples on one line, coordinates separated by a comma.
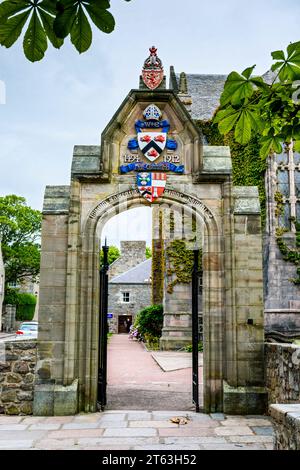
[(136, 381), (128, 429)]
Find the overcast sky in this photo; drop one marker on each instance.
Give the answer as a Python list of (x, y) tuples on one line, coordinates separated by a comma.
[(68, 98)]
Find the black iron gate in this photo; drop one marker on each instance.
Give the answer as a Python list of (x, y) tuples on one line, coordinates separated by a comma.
[(103, 330), (195, 329)]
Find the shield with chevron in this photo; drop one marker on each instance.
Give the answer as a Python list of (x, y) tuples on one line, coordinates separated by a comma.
[(152, 144)]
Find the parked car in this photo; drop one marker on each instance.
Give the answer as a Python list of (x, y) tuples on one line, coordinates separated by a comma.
[(27, 330)]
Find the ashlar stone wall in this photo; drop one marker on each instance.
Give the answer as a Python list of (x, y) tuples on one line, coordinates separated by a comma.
[(17, 367)]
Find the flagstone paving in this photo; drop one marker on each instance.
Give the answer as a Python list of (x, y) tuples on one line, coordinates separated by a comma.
[(136, 430)]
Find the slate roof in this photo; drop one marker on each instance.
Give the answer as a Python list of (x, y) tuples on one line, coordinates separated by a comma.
[(140, 274), (205, 91)]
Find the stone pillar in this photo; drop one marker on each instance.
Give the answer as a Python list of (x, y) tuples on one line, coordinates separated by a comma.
[(9, 320), (2, 284), (177, 298), (157, 256), (245, 393), (50, 398)]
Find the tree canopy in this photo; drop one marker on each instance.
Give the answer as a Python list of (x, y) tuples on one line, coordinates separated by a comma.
[(52, 21), (251, 106), (20, 227), (113, 254)]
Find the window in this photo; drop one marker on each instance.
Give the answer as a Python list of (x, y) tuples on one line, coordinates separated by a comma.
[(126, 296), (287, 167)]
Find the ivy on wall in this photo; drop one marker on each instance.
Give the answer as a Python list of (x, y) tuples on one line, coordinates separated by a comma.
[(181, 262), (248, 168), (289, 254), (158, 266)]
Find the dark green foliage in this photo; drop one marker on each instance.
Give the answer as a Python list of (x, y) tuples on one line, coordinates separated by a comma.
[(52, 20), (25, 304), (113, 254), (189, 347), (248, 169), (249, 106), (149, 321), (20, 227), (288, 254), (181, 262)]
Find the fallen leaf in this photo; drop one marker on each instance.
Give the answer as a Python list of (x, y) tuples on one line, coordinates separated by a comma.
[(179, 420)]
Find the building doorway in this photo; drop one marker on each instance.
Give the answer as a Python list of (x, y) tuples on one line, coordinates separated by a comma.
[(124, 323)]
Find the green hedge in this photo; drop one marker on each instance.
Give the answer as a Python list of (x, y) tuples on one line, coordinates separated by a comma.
[(149, 321), (24, 302)]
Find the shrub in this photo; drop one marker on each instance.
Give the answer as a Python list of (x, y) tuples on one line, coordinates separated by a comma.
[(24, 302), (150, 321), (189, 347)]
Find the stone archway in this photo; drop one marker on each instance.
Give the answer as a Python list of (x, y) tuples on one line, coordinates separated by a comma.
[(89, 295), (232, 262)]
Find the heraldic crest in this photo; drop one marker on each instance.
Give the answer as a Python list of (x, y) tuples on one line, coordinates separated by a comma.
[(153, 72)]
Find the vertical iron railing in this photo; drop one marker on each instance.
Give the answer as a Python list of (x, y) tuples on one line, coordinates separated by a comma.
[(103, 330), (195, 330)]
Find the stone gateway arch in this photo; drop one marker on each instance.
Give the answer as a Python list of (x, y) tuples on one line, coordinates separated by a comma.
[(152, 153)]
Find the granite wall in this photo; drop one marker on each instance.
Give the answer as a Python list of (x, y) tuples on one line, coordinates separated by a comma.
[(282, 372), (17, 365), (286, 420)]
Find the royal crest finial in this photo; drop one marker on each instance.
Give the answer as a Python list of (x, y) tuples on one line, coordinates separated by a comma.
[(153, 72)]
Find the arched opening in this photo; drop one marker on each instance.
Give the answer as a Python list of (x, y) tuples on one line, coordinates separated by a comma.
[(88, 294)]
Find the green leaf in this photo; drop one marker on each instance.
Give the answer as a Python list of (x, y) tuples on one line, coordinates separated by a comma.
[(297, 146), (48, 21), (104, 4), (276, 66), (289, 68), (100, 17), (259, 83), (81, 33), (236, 89), (49, 6), (35, 40), (12, 28), (269, 144), (293, 49), (243, 127), (248, 72), (228, 123), (64, 20), (278, 55)]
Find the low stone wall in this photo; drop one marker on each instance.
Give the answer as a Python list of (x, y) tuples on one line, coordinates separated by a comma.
[(17, 366), (286, 419), (283, 372)]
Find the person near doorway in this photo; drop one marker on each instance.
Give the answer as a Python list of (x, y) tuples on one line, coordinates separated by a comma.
[(128, 324)]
